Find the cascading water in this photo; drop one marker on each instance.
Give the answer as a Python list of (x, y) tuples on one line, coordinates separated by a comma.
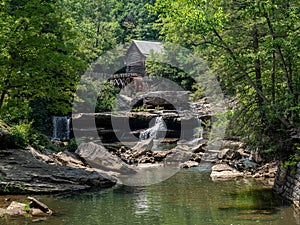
[(156, 131), (61, 127), (198, 130)]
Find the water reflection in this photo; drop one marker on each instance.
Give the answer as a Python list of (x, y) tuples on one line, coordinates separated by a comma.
[(141, 203), (189, 197), (150, 175)]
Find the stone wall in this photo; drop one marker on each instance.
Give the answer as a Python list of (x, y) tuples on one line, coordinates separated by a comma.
[(287, 184)]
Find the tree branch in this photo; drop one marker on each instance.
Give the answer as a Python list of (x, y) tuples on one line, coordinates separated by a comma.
[(248, 78)]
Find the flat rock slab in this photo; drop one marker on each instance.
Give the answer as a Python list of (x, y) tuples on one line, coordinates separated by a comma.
[(179, 99), (21, 172), (98, 157), (224, 172)]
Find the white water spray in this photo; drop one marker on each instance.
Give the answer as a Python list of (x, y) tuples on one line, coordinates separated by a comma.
[(61, 127)]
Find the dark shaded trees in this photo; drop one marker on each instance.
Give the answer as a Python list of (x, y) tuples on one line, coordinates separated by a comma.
[(253, 48)]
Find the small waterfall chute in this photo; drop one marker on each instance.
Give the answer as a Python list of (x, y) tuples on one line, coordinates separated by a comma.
[(157, 131), (61, 127), (198, 130)]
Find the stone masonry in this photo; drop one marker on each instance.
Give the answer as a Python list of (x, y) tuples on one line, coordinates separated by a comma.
[(287, 184)]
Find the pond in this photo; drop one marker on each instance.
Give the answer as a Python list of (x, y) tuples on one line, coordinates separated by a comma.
[(187, 198)]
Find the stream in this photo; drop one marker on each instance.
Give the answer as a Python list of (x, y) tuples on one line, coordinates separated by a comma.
[(189, 197)]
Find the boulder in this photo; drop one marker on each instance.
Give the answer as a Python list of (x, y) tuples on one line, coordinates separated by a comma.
[(229, 154), (160, 155), (210, 156), (142, 147), (38, 206), (34, 208), (269, 170), (244, 164), (21, 172), (67, 158), (231, 144), (177, 155), (224, 172), (16, 208), (98, 157)]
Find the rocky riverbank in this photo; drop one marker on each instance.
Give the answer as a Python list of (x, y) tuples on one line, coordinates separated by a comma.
[(30, 171), (29, 207), (92, 165)]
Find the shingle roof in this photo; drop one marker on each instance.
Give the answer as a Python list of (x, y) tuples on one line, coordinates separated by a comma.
[(146, 47)]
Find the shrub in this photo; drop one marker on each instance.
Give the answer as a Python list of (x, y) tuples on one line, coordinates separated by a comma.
[(20, 134), (73, 144)]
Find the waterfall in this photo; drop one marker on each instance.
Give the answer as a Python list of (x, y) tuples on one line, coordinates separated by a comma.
[(198, 130), (155, 131), (61, 127)]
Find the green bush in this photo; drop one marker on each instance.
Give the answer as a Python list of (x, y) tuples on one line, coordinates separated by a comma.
[(106, 97), (293, 160), (73, 144), (14, 111), (21, 134)]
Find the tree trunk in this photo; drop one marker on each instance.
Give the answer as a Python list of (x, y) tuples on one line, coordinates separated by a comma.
[(251, 82), (257, 66), (96, 43), (280, 53), (2, 98)]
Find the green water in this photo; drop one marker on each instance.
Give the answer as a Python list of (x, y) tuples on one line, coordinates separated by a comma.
[(189, 197)]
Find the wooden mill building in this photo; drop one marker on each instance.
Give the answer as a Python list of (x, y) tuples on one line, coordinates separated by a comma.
[(135, 63), (137, 54)]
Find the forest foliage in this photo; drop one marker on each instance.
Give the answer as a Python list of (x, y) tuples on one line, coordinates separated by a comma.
[(251, 46)]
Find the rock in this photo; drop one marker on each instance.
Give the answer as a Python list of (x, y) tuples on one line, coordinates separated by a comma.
[(142, 147), (23, 173), (268, 170), (245, 164), (166, 99), (35, 208), (98, 157), (147, 159), (243, 153), (36, 212), (177, 155), (123, 102), (210, 156), (16, 208), (2, 212), (197, 157), (36, 204), (67, 158), (224, 172), (223, 153), (234, 145), (199, 148), (189, 164), (255, 155), (229, 154), (160, 155), (39, 156)]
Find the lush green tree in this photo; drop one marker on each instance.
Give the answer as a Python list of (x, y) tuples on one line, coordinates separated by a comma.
[(176, 64), (135, 20), (39, 57), (253, 48), (94, 24)]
